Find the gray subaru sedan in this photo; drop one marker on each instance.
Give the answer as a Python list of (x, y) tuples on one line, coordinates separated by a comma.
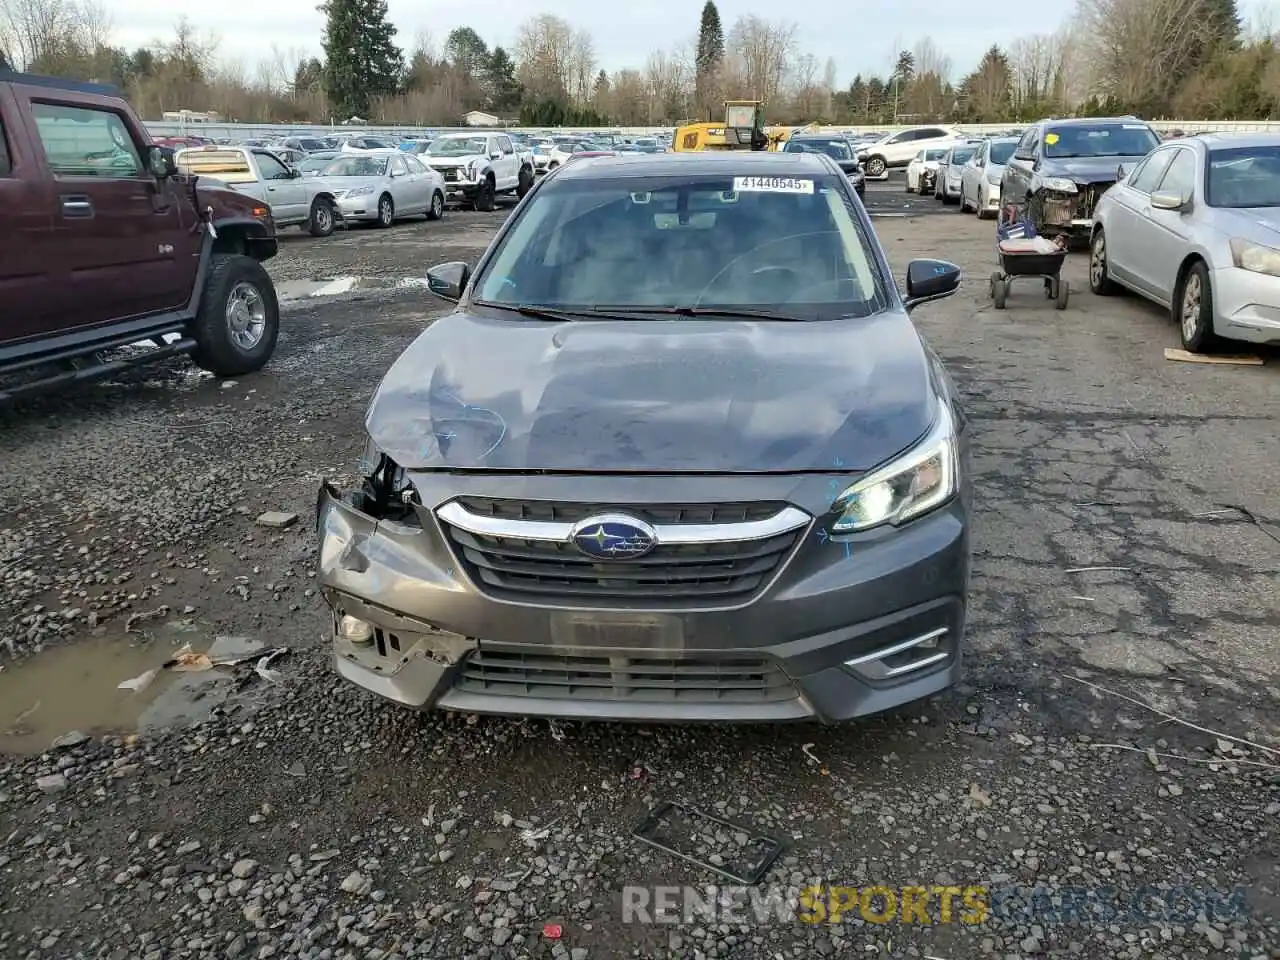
[(679, 454)]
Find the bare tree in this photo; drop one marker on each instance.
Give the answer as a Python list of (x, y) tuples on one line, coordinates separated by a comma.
[(1140, 51), (580, 70), (668, 77), (544, 49), (804, 77), (762, 51), (929, 59)]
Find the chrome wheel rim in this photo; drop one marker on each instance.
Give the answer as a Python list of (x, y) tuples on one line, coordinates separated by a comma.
[(437, 206), (322, 217), (1192, 299), (1098, 261), (246, 316), (384, 210)]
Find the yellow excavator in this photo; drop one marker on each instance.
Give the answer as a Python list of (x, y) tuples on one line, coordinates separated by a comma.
[(743, 129)]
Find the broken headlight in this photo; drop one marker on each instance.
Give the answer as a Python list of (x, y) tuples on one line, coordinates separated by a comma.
[(1254, 257), (923, 478), (1052, 184), (387, 492)]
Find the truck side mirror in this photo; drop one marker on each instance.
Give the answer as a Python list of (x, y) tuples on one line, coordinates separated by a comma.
[(160, 162)]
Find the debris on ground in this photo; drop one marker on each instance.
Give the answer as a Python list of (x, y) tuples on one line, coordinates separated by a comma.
[(277, 519), (1184, 356), (137, 618), (188, 661)]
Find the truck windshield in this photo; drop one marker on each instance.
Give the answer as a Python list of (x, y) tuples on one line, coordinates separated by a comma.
[(790, 245), (229, 166), (457, 147), (1100, 140)]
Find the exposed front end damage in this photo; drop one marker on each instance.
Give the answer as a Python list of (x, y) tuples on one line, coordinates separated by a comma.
[(1064, 207)]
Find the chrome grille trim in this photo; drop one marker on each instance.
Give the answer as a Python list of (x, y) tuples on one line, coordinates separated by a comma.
[(784, 521)]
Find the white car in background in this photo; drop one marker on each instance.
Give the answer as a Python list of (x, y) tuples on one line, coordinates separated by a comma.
[(980, 179), (1195, 227), (898, 149), (383, 187), (922, 170), (946, 186)]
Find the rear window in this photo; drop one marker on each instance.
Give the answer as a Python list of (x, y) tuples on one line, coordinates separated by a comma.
[(1100, 140), (1001, 151), (793, 244), (935, 154), (230, 166), (962, 154)]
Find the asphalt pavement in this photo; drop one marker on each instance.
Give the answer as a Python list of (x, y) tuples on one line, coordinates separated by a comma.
[(1115, 741)]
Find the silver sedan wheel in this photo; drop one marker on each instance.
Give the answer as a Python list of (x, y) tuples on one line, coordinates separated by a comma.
[(1098, 260), (246, 316), (1192, 297)]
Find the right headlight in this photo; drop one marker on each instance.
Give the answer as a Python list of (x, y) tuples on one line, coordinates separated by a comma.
[(1053, 184), (1254, 257), (922, 479)]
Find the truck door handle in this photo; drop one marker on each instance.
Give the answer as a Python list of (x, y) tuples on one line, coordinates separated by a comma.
[(76, 206)]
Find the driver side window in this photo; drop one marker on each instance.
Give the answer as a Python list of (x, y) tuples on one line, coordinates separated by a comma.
[(85, 142), (271, 168)]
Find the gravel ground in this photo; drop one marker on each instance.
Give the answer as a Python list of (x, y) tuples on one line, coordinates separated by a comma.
[(301, 818)]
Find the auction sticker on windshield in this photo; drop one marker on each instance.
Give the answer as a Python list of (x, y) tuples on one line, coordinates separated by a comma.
[(772, 185)]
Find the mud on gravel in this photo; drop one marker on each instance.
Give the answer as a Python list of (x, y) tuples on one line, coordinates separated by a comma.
[(1126, 536)]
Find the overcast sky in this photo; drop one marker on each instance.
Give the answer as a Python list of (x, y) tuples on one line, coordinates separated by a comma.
[(862, 39)]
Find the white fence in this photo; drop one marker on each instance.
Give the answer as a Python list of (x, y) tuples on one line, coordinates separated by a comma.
[(245, 131)]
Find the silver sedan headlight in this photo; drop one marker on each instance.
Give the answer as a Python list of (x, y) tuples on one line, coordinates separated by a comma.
[(922, 479), (1255, 257)]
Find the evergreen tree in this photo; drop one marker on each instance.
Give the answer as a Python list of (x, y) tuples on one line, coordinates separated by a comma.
[(858, 99), (361, 59), (709, 57), (505, 91)]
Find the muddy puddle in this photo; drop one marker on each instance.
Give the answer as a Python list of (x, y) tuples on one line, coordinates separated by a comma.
[(75, 688), (290, 290)]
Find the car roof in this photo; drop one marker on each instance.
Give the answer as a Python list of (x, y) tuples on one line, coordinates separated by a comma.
[(1228, 141), (1089, 121), (698, 163)]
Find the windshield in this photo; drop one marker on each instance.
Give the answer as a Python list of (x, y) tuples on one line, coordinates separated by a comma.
[(314, 164), (962, 154), (1244, 177), (835, 149), (356, 167), (457, 147), (1100, 140), (1002, 150), (791, 244)]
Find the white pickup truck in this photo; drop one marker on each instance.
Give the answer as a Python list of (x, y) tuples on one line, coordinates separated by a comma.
[(479, 166), (257, 172)]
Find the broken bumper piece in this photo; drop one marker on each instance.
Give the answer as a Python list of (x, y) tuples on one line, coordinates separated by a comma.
[(418, 621)]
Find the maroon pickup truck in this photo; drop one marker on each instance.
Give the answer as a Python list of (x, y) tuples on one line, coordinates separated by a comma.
[(104, 244)]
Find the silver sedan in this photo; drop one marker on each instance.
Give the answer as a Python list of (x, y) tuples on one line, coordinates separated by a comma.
[(1195, 227), (384, 186)]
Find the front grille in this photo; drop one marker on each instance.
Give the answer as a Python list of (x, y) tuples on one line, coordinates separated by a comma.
[(719, 553), (449, 174), (571, 512), (510, 673)]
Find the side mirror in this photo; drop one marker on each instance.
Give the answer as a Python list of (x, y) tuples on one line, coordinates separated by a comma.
[(496, 155), (1167, 201), (160, 161), (448, 280), (295, 173), (930, 280)]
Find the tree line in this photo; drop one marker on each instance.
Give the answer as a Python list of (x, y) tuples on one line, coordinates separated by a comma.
[(1153, 58)]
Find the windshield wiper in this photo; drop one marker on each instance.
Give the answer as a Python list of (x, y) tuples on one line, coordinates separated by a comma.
[(701, 312), (536, 312)]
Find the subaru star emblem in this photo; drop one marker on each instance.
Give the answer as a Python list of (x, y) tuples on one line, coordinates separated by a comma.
[(613, 537)]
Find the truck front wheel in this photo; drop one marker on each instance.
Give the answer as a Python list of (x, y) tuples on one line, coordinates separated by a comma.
[(239, 318), (526, 182), (484, 196)]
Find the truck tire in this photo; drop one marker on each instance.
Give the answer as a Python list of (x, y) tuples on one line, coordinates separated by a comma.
[(320, 223), (526, 182), (484, 196), (239, 318)]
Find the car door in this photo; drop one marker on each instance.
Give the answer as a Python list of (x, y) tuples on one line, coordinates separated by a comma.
[(1015, 183), (407, 191), (29, 292), (286, 196), (510, 161), (118, 232), (431, 180), (1127, 226), (1168, 232)]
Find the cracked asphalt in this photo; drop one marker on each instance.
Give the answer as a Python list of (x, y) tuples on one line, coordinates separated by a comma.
[(1116, 736)]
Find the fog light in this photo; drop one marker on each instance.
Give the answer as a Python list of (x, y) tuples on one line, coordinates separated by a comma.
[(355, 630)]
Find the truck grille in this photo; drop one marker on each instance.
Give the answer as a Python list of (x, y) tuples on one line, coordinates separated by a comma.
[(449, 174), (506, 549), (510, 673)]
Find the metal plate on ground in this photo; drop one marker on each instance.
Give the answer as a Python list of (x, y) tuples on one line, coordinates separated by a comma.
[(742, 854), (616, 631)]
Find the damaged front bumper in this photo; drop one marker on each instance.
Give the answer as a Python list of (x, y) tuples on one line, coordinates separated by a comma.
[(1067, 213), (838, 631)]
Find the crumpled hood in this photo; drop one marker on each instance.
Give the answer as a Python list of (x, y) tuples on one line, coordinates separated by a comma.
[(477, 392), (1087, 169)]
